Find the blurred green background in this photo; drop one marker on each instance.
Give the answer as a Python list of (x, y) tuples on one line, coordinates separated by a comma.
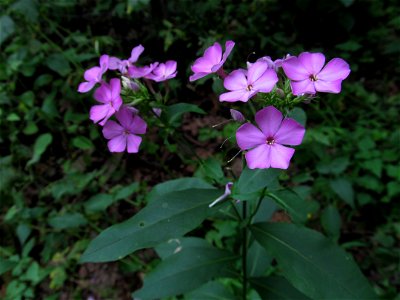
[(59, 185)]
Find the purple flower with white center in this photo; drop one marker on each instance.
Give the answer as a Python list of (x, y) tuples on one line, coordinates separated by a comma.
[(163, 71), (212, 60), (109, 96), (124, 135), (244, 85), (123, 65), (94, 75), (139, 72), (308, 74), (265, 144)]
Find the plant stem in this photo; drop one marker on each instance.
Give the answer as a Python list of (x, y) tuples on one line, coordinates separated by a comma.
[(244, 251)]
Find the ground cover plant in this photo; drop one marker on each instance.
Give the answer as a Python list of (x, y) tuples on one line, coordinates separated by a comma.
[(200, 167)]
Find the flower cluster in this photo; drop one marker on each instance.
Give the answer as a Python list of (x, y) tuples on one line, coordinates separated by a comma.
[(306, 75), (122, 136)]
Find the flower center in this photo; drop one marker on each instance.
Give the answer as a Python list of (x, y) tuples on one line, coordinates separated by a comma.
[(270, 141), (249, 88), (313, 77), (126, 132)]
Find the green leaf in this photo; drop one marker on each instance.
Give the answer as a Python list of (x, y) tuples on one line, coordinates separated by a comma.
[(72, 220), (175, 111), (58, 63), (23, 232), (186, 270), (312, 263), (373, 165), (276, 288), (336, 166), (82, 142), (97, 203), (299, 115), (331, 221), (41, 144), (265, 211), (168, 216), (6, 265), (212, 169), (252, 181), (7, 28), (173, 246), (343, 188), (176, 185), (299, 209), (258, 260), (126, 191), (212, 290)]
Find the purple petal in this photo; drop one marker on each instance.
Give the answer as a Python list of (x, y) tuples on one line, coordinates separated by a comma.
[(103, 93), (280, 156), (236, 80), (86, 86), (117, 144), (93, 74), (335, 69), (302, 87), (266, 82), (328, 86), (237, 115), (138, 125), (104, 62), (256, 71), (249, 136), (295, 70), (115, 85), (170, 67), (313, 62), (197, 76), (239, 95), (112, 129), (290, 133), (213, 54), (228, 49), (114, 63), (259, 157), (101, 113), (135, 53), (133, 143), (130, 121), (269, 120), (202, 65)]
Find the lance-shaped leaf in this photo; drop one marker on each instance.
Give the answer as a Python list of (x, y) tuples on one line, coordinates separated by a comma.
[(277, 288), (187, 269), (312, 263), (212, 290), (168, 216)]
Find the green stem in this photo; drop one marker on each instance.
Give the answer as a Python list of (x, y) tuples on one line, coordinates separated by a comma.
[(258, 206), (244, 251)]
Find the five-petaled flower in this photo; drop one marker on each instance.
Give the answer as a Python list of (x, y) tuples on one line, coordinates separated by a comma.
[(308, 74), (265, 144), (245, 84), (211, 61), (109, 96), (163, 71), (124, 135), (123, 65), (94, 75)]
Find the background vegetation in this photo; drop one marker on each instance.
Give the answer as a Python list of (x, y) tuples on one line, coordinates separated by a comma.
[(59, 185)]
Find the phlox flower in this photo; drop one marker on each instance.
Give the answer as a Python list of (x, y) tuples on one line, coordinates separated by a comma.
[(123, 65), (272, 64), (211, 61), (265, 144), (308, 74), (245, 84), (109, 96), (124, 134), (94, 75), (228, 191), (139, 72), (163, 71)]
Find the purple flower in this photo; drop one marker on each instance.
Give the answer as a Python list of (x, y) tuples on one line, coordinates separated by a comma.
[(124, 135), (265, 144), (211, 61), (139, 72), (163, 71), (228, 191), (244, 85), (109, 96), (308, 74), (123, 65), (94, 75)]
